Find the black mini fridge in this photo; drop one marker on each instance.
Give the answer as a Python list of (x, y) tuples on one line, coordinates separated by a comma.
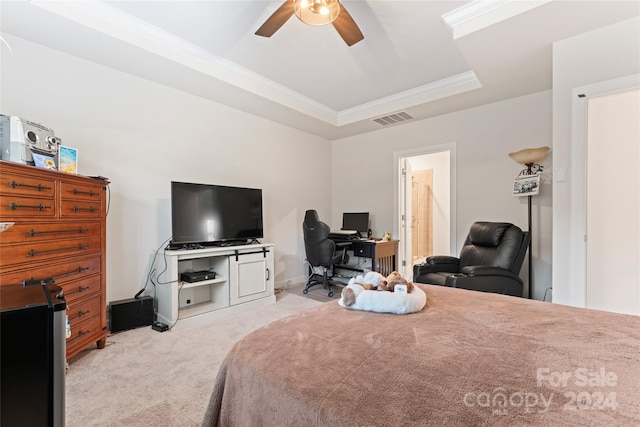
[(32, 355)]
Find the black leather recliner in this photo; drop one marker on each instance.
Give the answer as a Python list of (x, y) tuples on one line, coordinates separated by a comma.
[(320, 251), (490, 261)]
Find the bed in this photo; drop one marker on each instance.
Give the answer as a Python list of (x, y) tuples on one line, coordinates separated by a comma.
[(468, 358)]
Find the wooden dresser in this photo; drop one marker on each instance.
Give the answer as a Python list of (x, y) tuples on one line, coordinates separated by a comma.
[(59, 232)]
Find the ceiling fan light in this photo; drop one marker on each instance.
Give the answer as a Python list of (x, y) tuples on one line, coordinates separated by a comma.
[(316, 12)]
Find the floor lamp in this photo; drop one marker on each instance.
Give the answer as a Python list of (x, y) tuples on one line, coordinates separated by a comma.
[(527, 183)]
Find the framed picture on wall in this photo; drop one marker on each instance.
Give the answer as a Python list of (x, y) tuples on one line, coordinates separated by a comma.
[(526, 185), (68, 159)]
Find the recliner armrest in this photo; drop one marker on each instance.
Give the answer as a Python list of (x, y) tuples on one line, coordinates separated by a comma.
[(442, 259), (486, 270), (436, 264)]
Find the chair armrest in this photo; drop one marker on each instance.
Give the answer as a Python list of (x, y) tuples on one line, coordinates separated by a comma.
[(486, 270), (436, 264), (442, 259)]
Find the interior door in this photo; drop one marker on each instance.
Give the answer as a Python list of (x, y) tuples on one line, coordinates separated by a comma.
[(613, 207), (422, 214)]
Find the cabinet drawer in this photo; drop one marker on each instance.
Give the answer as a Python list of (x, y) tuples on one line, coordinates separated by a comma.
[(362, 250), (84, 331), (34, 252), (62, 273), (38, 232), (82, 288), (80, 192), (83, 310), (26, 185), (23, 207), (80, 208)]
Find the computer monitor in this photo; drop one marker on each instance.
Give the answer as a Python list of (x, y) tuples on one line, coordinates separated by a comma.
[(358, 221)]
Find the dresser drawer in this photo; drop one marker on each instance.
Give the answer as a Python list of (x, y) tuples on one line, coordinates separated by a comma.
[(62, 272), (80, 209), (26, 186), (38, 232), (81, 289), (26, 207), (84, 331), (75, 191), (82, 310), (34, 252)]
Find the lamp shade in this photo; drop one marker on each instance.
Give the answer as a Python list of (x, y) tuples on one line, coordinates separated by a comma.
[(316, 12), (529, 155)]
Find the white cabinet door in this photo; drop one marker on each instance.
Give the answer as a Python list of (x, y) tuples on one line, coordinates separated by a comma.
[(251, 276)]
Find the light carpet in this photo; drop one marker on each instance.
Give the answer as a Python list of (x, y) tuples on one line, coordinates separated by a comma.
[(147, 378)]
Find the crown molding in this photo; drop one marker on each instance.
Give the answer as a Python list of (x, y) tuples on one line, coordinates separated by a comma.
[(111, 21), (443, 88), (479, 14), (115, 23)]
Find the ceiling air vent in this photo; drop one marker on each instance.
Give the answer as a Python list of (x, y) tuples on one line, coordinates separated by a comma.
[(394, 118)]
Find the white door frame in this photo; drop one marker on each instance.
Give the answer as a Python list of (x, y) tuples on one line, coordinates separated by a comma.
[(398, 224), (578, 221)]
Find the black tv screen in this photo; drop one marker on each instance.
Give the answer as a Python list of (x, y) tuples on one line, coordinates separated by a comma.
[(202, 213), (358, 221)]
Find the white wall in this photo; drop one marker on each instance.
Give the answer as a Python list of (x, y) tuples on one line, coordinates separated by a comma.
[(142, 135), (362, 169), (604, 54)]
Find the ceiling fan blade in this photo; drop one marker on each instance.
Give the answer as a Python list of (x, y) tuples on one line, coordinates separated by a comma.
[(347, 27), (276, 20)]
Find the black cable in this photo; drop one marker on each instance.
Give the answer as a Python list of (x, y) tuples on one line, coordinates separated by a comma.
[(164, 269), (152, 270), (178, 317)]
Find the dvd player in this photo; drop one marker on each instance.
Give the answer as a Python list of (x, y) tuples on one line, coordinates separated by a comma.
[(197, 276)]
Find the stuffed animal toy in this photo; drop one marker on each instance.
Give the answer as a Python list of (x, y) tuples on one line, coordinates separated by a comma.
[(392, 280), (369, 281), (355, 297)]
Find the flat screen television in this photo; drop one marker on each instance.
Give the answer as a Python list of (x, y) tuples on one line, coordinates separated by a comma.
[(358, 221), (214, 214)]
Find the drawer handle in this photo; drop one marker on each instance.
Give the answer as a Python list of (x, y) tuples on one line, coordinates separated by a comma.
[(33, 281), (76, 271), (39, 206), (80, 333), (79, 290), (40, 187), (80, 314), (75, 230), (90, 209), (89, 193), (33, 252)]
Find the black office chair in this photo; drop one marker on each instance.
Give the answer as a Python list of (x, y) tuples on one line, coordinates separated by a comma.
[(320, 250), (490, 261)]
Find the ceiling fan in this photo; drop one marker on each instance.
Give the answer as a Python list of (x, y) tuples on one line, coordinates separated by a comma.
[(314, 12)]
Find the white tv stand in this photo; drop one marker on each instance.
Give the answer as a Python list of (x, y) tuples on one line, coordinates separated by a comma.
[(244, 279)]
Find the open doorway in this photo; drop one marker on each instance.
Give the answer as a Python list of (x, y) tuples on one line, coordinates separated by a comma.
[(425, 205)]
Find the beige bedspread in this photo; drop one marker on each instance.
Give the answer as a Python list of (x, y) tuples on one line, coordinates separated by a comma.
[(468, 358)]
